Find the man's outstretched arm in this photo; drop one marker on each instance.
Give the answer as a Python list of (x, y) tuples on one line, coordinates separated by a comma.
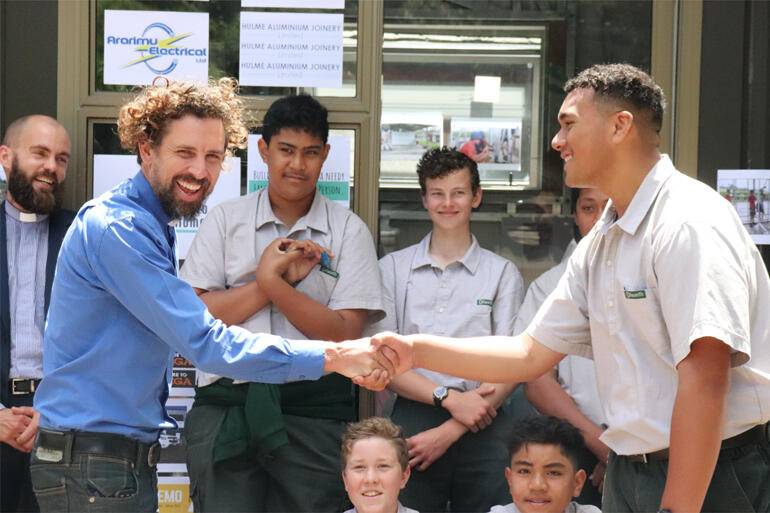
[(493, 359)]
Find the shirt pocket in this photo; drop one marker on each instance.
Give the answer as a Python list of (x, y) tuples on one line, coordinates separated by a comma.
[(642, 319)]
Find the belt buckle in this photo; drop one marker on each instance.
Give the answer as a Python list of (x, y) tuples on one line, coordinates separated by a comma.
[(153, 455), (14, 382)]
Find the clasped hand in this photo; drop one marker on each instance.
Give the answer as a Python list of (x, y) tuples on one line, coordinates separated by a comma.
[(372, 362)]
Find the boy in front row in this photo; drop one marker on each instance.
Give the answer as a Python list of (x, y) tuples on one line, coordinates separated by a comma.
[(256, 447), (544, 475), (448, 284), (375, 466)]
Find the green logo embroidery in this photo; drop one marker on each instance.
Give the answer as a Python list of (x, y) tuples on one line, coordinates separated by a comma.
[(330, 272), (635, 294), (484, 302)]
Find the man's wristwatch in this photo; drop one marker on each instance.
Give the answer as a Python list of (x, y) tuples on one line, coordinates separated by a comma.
[(440, 393)]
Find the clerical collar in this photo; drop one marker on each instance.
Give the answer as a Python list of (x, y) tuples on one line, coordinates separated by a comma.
[(24, 217)]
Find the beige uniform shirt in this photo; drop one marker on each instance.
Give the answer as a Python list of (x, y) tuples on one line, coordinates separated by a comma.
[(475, 296), (678, 266), (229, 242)]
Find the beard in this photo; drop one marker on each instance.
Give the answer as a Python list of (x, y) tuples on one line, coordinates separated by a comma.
[(175, 208), (21, 188)]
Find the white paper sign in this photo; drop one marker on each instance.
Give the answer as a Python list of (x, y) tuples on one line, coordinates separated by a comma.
[(291, 49), (334, 181), (296, 4), (110, 170), (140, 45)]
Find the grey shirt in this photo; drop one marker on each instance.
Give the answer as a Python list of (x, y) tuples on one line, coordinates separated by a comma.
[(229, 242), (475, 296)]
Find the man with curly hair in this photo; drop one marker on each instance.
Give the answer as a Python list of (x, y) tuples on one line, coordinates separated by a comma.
[(119, 312), (668, 295)]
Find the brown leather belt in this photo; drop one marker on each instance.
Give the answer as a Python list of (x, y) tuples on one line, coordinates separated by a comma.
[(755, 435)]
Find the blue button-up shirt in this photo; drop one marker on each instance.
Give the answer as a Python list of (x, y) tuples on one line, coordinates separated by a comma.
[(117, 314)]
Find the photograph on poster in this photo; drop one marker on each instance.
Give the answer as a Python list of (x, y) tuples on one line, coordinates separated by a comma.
[(749, 192), (404, 137), (141, 45), (494, 143), (172, 439)]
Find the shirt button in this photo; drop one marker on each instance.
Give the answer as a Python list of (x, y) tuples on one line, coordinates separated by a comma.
[(441, 310), (610, 303), (609, 263)]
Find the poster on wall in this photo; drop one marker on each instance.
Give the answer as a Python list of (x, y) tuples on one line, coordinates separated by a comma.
[(404, 137), (280, 49), (334, 181), (110, 170), (296, 4), (141, 45), (174, 494), (494, 143), (749, 192)]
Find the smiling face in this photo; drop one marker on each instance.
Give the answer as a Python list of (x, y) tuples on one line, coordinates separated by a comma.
[(542, 479), (449, 200), (373, 476), (185, 166), (294, 159), (35, 161), (583, 141)]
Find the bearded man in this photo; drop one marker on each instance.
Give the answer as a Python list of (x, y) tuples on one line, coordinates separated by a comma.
[(34, 155)]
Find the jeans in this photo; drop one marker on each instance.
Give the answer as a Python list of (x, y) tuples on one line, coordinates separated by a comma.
[(91, 482)]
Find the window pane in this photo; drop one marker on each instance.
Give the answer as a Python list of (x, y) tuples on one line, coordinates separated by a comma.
[(224, 41)]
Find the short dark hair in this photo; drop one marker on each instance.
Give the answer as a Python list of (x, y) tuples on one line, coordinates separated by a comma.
[(624, 83), (442, 161), (548, 430), (298, 112)]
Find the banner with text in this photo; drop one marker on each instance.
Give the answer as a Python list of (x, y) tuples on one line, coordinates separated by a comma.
[(140, 45), (291, 49), (334, 181)]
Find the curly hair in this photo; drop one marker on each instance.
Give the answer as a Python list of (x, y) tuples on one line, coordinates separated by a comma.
[(375, 427), (146, 117), (548, 430), (442, 161), (624, 83)]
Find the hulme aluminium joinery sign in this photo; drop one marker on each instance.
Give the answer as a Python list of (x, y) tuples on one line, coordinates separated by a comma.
[(141, 45)]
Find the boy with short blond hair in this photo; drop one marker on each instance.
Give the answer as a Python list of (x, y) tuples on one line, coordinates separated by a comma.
[(375, 466)]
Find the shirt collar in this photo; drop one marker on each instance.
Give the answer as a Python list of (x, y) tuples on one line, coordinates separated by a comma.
[(315, 219), (470, 260), (23, 217), (642, 201), (145, 196)]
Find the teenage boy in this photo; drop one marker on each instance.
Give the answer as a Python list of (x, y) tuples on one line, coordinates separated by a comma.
[(448, 284), (544, 475), (375, 466), (569, 391), (253, 447), (668, 294)]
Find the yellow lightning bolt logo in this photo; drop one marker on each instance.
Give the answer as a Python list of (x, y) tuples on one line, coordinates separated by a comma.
[(163, 43)]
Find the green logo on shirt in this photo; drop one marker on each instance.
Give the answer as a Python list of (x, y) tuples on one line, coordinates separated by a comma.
[(635, 294), (484, 302), (330, 272)]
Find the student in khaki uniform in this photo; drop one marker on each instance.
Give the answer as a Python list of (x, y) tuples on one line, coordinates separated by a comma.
[(448, 284), (668, 294), (256, 262)]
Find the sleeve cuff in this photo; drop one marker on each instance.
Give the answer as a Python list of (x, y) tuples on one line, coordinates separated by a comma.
[(551, 341), (308, 358)]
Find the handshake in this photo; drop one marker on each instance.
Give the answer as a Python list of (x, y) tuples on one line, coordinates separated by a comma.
[(371, 361)]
